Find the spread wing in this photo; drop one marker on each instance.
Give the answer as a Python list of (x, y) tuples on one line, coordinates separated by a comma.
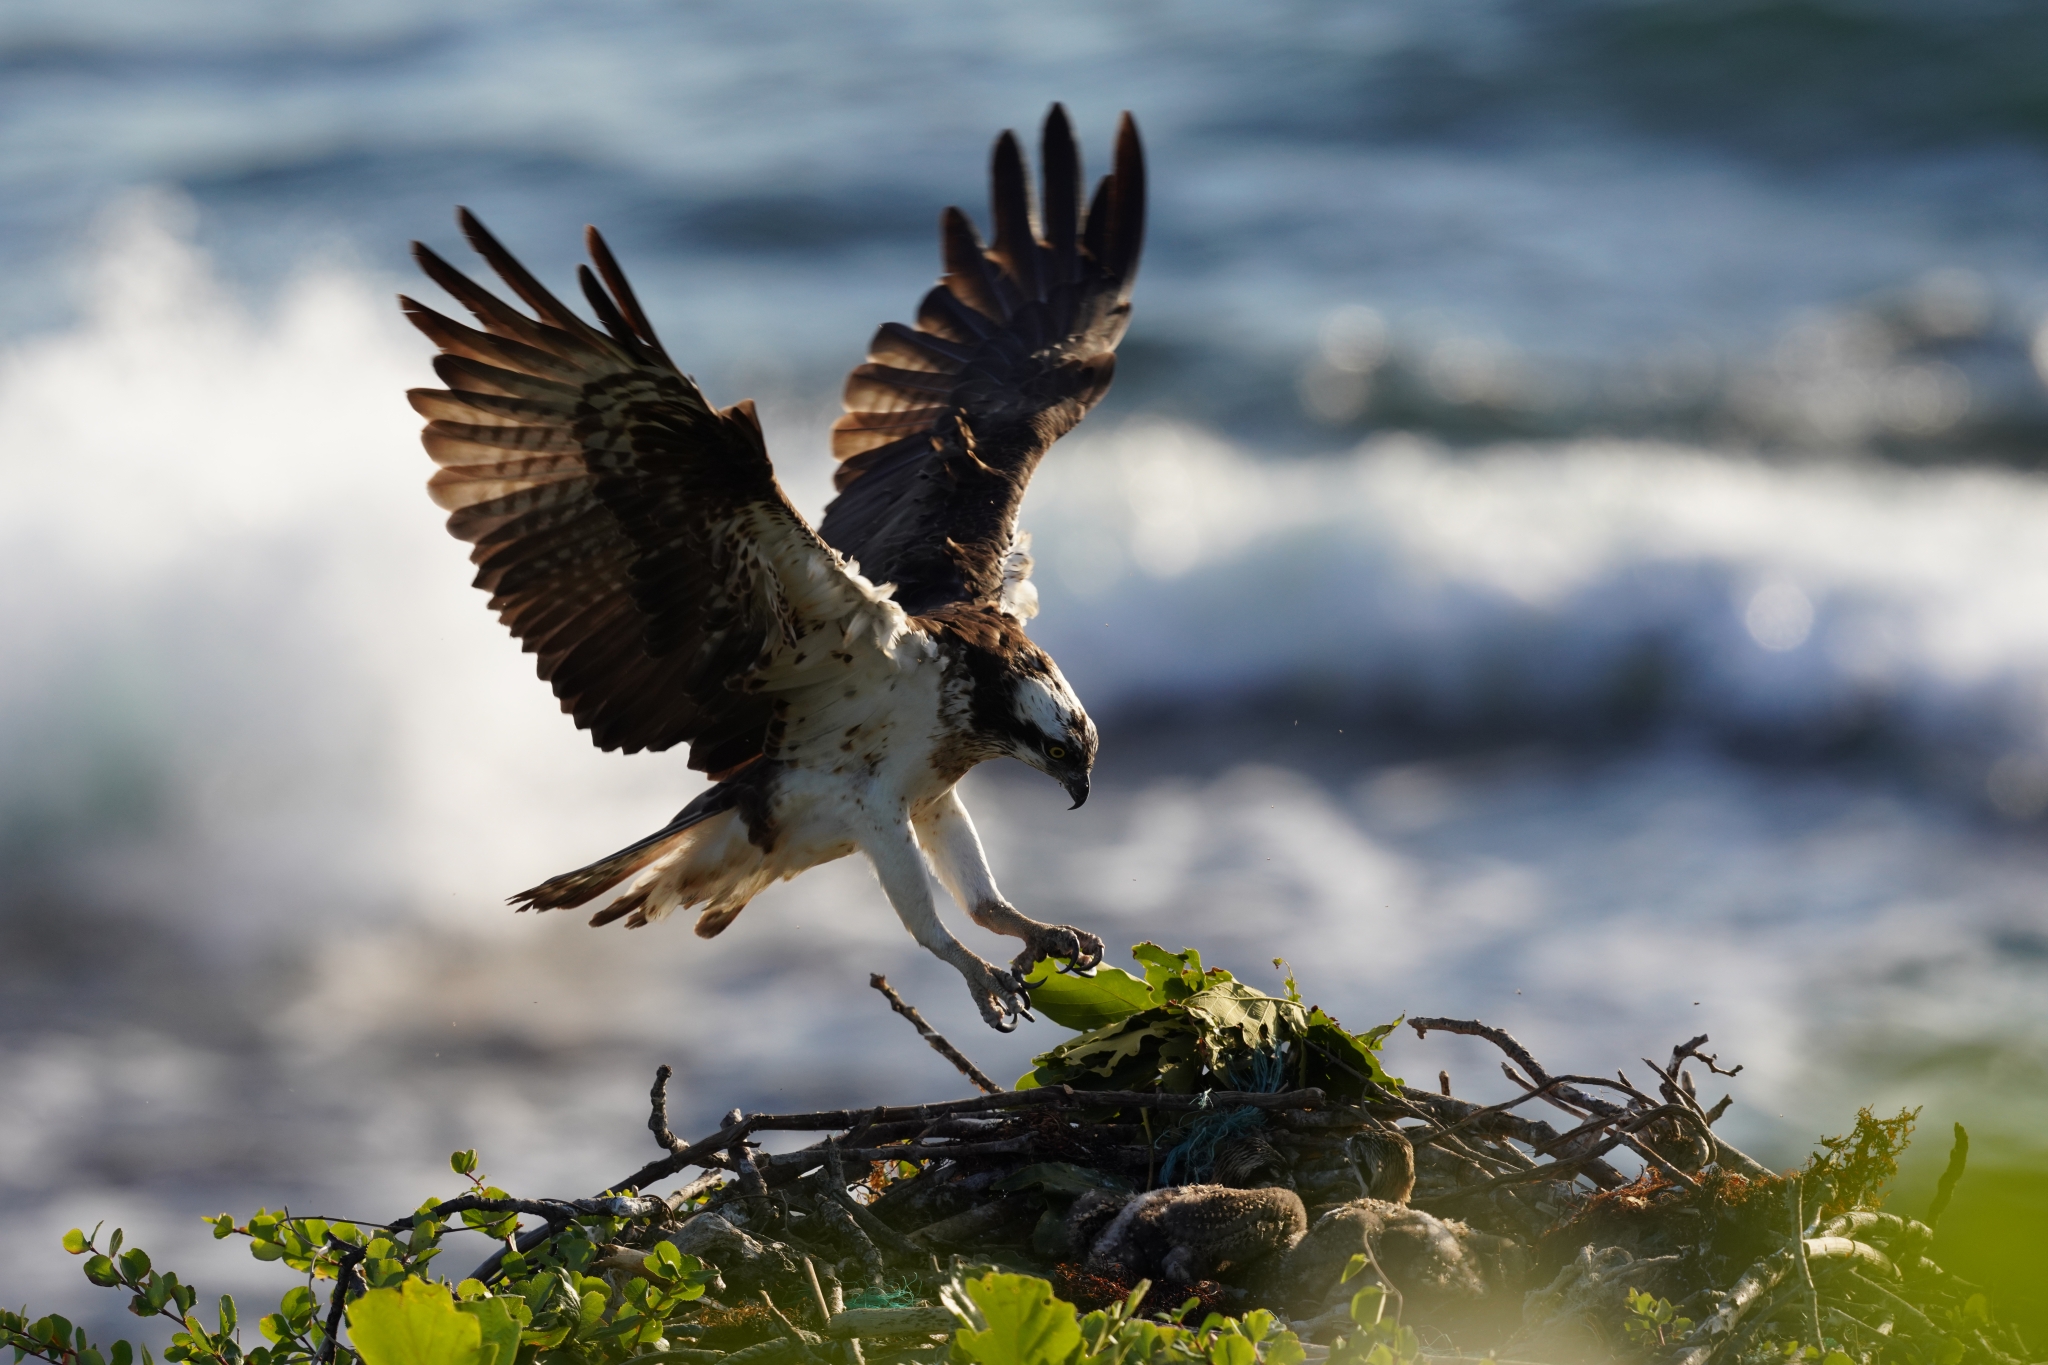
[(630, 535), (947, 420)]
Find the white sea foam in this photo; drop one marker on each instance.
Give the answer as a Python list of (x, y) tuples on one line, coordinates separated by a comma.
[(1800, 601)]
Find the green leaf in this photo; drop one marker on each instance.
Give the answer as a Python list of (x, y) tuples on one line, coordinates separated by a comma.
[(1285, 1349), (384, 1274), (1088, 1002), (1027, 1324), (500, 1330), (1352, 1052), (75, 1242), (414, 1324), (1248, 1018), (1108, 1049), (1175, 975), (1233, 1350), (101, 1272), (462, 1162), (135, 1263), (297, 1305)]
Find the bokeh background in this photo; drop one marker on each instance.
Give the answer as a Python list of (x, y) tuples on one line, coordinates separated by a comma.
[(1568, 545)]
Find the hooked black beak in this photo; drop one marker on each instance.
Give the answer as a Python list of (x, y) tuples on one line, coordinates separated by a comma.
[(1077, 787)]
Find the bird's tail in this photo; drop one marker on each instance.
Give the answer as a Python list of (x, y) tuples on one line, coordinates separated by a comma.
[(589, 882)]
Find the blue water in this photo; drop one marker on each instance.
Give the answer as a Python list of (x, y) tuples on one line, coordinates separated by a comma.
[(1564, 547)]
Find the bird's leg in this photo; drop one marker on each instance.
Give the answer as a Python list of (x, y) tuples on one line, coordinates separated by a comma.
[(947, 833), (902, 871)]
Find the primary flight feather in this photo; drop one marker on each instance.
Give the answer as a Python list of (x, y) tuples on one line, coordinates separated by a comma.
[(836, 684)]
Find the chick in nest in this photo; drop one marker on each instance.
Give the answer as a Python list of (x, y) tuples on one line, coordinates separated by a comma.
[(1430, 1260), (1184, 1233), (1248, 1162), (1385, 1161)]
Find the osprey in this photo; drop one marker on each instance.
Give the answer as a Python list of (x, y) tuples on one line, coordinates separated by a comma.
[(835, 683)]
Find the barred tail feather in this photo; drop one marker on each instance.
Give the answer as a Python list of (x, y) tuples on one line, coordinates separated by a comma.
[(713, 864), (587, 883)]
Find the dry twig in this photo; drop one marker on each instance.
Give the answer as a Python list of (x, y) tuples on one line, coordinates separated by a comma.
[(934, 1037)]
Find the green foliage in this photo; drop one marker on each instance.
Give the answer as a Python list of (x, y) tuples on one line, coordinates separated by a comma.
[(1015, 1320), (418, 1323), (545, 1308), (1018, 1320), (1183, 1026), (1653, 1322), (152, 1294)]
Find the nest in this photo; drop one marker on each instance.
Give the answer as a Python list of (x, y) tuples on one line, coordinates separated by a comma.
[(1587, 1219)]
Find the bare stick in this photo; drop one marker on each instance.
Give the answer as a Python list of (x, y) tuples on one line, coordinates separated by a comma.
[(1562, 1171), (934, 1037), (1958, 1158), (1522, 1057), (1052, 1096), (657, 1121), (1692, 1049), (818, 1294), (1805, 1266), (344, 1273), (1721, 1153)]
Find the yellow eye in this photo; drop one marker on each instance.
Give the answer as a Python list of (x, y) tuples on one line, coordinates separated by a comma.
[(1055, 751)]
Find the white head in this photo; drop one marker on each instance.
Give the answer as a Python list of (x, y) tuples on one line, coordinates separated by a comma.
[(1051, 732)]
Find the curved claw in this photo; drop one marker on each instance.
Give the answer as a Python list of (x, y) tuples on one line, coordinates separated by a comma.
[(1073, 951), (1001, 998)]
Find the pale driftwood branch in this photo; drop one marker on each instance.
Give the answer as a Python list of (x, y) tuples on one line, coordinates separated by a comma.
[(891, 1322)]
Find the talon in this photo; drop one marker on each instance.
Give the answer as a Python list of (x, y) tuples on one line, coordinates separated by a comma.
[(1075, 952), (1000, 996)]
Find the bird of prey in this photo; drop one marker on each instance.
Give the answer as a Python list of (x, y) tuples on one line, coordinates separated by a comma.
[(835, 683)]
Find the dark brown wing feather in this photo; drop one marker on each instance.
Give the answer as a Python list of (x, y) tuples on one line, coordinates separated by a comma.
[(630, 535), (946, 422)]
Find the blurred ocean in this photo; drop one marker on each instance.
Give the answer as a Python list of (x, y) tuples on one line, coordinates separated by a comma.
[(1568, 545)]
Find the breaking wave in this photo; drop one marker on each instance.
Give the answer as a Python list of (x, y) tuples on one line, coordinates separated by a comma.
[(222, 583), (1581, 588)]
